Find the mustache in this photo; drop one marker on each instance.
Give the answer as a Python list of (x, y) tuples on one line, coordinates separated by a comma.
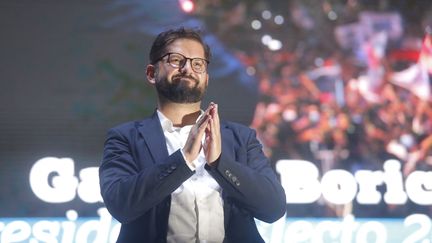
[(180, 76)]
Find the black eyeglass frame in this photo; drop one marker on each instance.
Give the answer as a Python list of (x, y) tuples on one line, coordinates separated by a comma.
[(183, 62)]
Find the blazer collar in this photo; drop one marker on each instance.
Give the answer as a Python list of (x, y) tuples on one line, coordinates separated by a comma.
[(151, 132)]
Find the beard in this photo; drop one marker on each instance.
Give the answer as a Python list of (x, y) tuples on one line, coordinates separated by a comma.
[(180, 90)]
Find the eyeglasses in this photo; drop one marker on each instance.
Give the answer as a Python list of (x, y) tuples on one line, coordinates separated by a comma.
[(177, 60)]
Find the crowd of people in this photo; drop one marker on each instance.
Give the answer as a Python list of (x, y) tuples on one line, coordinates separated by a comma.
[(295, 120), (313, 105)]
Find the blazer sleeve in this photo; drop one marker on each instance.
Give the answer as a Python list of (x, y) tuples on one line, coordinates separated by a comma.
[(131, 183), (248, 179)]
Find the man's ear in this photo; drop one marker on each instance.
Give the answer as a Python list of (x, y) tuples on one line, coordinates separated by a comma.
[(151, 73)]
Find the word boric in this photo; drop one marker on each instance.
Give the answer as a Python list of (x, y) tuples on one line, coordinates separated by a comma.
[(302, 184)]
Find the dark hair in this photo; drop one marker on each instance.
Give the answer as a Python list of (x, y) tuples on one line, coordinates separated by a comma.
[(165, 38)]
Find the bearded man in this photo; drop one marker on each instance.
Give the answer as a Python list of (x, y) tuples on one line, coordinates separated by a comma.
[(182, 175)]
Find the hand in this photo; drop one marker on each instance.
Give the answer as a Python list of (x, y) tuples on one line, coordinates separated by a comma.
[(193, 144), (212, 143)]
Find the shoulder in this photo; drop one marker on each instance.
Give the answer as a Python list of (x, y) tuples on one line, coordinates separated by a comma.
[(130, 126), (136, 124), (238, 128), (126, 126), (234, 125)]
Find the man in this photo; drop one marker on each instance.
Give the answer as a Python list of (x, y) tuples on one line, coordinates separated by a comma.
[(181, 175)]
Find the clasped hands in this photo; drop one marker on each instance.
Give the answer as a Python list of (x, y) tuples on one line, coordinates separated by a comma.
[(207, 126)]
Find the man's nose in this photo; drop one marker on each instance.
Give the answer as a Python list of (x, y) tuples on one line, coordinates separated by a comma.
[(186, 67)]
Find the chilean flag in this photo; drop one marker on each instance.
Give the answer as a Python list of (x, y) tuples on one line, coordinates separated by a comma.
[(416, 77)]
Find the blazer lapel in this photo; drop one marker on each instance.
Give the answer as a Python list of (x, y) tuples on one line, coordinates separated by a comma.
[(152, 133), (227, 140), (227, 145)]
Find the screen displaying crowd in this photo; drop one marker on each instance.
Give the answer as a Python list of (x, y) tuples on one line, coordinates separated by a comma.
[(343, 84)]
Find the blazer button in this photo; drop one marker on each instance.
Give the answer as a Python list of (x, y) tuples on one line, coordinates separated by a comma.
[(234, 178), (228, 173), (237, 183)]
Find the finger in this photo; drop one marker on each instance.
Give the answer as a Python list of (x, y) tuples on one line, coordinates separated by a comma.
[(193, 143), (211, 108), (215, 121), (199, 129), (202, 119), (203, 125), (214, 130), (207, 145), (206, 111), (209, 125), (216, 115), (203, 116), (216, 127)]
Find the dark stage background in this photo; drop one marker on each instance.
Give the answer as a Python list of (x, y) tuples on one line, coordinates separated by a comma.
[(332, 87)]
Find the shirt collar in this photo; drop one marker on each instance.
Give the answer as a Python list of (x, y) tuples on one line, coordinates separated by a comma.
[(167, 124)]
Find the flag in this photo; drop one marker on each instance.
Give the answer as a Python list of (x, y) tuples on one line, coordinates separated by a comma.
[(375, 49), (415, 79), (390, 23), (425, 59), (372, 52), (331, 70), (406, 55)]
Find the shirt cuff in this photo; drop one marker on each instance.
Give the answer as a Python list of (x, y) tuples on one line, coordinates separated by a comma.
[(191, 165)]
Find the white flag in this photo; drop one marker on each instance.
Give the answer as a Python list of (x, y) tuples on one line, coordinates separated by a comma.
[(415, 79)]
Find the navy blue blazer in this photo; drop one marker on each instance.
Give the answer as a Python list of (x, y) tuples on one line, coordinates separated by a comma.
[(137, 177)]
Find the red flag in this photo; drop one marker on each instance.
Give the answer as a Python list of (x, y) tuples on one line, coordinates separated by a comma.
[(409, 55)]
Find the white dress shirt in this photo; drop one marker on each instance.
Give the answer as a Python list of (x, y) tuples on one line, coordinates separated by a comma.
[(196, 213)]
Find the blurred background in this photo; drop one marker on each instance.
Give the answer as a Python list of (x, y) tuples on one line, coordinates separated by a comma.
[(341, 86)]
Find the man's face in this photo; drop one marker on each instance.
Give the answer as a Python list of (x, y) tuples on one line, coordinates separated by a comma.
[(181, 84)]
